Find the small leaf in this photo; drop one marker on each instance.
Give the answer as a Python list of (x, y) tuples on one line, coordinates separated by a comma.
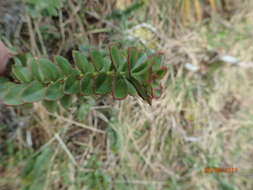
[(22, 73), (141, 59), (140, 89), (87, 85), (103, 84), (156, 60), (145, 62), (117, 59), (82, 63), (66, 101), (131, 89), (12, 97), (98, 60), (50, 71), (33, 92), (120, 88), (54, 91), (36, 71), (133, 55), (141, 68), (64, 65), (107, 65), (51, 106), (5, 86), (72, 85)]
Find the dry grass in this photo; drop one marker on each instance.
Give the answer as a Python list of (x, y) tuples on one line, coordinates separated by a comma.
[(194, 125)]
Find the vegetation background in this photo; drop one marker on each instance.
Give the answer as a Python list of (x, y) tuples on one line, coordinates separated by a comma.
[(203, 119)]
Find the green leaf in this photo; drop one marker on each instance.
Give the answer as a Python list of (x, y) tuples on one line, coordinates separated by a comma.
[(66, 101), (153, 61), (5, 86), (140, 89), (22, 73), (98, 60), (118, 59), (51, 106), (55, 91), (143, 64), (107, 65), (157, 61), (34, 92), (103, 84), (72, 85), (120, 87), (12, 97), (140, 61), (82, 63), (131, 89), (133, 55), (87, 85), (36, 71), (21, 59), (50, 71), (64, 65)]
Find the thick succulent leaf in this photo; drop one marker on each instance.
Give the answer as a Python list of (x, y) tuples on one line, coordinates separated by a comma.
[(23, 74), (120, 87), (87, 85), (51, 106), (64, 65), (33, 92), (49, 69), (103, 84), (12, 96), (66, 101), (82, 63), (98, 59), (72, 85), (54, 91)]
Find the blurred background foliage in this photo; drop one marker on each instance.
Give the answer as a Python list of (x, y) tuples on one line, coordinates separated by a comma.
[(202, 120)]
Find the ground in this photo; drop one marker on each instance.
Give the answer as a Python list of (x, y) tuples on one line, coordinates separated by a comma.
[(202, 120)]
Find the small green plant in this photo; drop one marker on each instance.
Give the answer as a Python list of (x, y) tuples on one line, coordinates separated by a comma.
[(119, 73)]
